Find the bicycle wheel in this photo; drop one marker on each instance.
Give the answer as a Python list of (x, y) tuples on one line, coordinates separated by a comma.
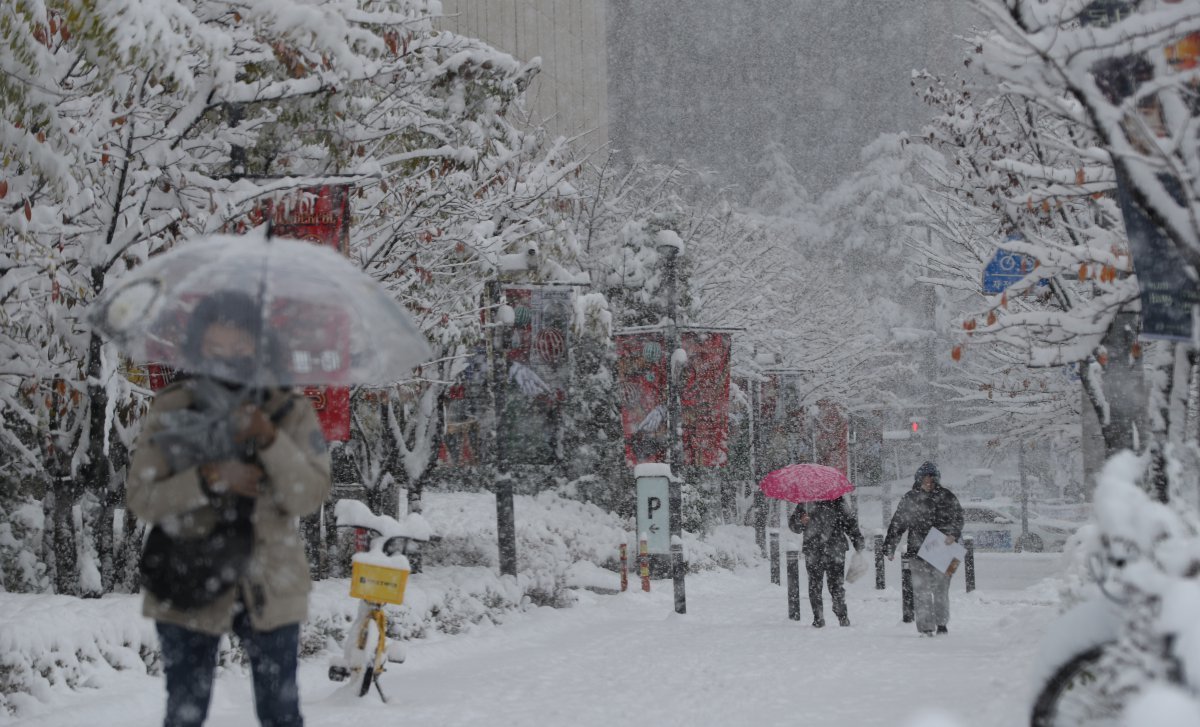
[(1070, 697)]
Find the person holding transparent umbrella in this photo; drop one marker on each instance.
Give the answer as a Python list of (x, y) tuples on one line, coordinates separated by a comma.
[(223, 471), (229, 457)]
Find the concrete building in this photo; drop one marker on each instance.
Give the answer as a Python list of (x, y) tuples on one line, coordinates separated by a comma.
[(570, 95), (713, 82)]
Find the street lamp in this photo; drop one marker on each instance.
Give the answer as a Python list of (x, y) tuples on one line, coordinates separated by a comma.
[(669, 246)]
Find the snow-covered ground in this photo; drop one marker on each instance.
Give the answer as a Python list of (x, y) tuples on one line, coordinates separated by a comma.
[(734, 658)]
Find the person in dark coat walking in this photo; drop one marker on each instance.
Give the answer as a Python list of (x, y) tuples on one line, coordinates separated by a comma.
[(928, 505), (828, 528)]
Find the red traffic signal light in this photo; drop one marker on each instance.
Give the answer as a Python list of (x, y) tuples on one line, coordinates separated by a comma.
[(915, 426)]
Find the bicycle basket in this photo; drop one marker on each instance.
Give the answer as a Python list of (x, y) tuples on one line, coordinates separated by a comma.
[(376, 582)]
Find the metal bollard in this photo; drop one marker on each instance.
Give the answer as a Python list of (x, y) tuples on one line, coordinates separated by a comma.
[(678, 570), (793, 584), (969, 566), (880, 582), (774, 537), (760, 521), (624, 567), (906, 589)]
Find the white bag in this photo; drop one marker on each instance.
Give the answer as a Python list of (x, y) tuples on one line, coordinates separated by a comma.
[(857, 567)]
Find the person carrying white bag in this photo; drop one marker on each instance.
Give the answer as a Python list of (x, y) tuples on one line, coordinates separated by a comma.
[(829, 527)]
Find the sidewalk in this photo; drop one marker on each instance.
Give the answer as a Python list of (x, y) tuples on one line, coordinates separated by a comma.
[(735, 658)]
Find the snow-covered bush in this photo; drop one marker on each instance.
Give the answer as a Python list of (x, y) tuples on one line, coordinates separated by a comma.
[(22, 523), (49, 644)]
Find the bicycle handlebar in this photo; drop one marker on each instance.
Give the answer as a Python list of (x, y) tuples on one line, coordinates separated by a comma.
[(354, 514)]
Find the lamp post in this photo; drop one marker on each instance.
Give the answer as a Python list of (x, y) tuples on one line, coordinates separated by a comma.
[(669, 245), (506, 527)]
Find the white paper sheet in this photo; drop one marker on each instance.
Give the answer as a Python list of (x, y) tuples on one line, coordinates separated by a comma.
[(936, 553)]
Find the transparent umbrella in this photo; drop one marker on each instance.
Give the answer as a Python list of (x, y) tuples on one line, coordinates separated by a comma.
[(317, 318)]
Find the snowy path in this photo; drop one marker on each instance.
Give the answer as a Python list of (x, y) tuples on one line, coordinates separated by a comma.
[(734, 659)]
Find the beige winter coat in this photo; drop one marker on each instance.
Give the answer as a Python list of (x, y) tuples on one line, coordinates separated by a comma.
[(297, 481)]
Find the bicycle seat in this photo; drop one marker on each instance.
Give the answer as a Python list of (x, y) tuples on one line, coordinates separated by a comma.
[(354, 514)]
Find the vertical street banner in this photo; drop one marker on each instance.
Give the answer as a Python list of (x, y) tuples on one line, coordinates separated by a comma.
[(465, 407), (833, 436), (320, 215), (704, 398), (742, 418), (537, 373), (782, 434), (642, 378)]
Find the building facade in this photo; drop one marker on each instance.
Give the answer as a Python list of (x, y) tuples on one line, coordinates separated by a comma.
[(570, 95)]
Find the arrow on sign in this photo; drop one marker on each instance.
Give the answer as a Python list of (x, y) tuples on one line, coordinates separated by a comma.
[(654, 528)]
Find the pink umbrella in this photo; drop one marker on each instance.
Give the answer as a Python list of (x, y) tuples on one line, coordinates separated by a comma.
[(805, 483)]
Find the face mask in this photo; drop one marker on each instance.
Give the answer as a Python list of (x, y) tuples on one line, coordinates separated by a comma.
[(237, 369)]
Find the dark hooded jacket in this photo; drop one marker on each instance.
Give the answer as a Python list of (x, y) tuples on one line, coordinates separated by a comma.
[(830, 527), (919, 511)]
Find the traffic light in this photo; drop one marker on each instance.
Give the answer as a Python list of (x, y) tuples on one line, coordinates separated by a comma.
[(914, 426)]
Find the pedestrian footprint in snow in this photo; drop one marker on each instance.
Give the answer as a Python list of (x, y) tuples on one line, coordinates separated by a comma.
[(222, 471), (928, 505), (829, 528)]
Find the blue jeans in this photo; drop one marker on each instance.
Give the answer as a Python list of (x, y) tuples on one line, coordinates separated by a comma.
[(190, 659)]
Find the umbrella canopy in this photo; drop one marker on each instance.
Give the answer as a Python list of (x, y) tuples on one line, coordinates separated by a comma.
[(805, 483), (316, 317)]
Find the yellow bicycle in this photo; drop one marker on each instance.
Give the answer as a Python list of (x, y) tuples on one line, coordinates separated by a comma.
[(378, 576)]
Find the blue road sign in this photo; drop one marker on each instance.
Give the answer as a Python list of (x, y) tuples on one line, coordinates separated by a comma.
[(1005, 269)]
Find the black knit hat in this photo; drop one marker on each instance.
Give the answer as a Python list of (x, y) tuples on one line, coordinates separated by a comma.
[(229, 307), (928, 468)]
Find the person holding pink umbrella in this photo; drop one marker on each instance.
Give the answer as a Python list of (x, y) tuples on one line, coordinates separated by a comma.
[(828, 527)]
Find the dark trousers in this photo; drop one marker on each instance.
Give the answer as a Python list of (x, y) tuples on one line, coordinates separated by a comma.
[(831, 566), (190, 659)]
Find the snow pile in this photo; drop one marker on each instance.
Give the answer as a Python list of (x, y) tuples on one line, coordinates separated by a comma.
[(554, 532), (54, 643), (1163, 706), (1147, 555), (51, 644)]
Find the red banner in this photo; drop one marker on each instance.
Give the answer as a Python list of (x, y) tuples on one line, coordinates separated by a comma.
[(782, 436), (642, 377), (320, 215), (466, 404), (833, 436), (704, 398)]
